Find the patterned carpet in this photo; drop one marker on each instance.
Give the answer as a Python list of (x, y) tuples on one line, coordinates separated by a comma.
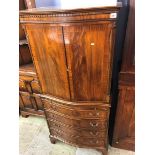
[(34, 140)]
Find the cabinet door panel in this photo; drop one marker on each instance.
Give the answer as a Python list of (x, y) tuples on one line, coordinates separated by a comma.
[(89, 51), (48, 52)]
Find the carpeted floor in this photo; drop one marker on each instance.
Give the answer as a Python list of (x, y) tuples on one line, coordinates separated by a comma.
[(34, 140)]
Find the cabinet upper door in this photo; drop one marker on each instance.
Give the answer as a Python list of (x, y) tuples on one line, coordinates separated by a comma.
[(89, 55), (48, 52)]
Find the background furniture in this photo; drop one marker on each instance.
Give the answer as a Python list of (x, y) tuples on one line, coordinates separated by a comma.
[(29, 89), (124, 126), (29, 99), (73, 55)]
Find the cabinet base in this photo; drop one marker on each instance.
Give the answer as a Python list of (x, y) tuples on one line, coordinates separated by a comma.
[(24, 114), (104, 152), (53, 140), (31, 113)]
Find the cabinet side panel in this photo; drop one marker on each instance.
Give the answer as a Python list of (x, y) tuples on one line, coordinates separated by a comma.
[(89, 51), (124, 136), (47, 47), (128, 64)]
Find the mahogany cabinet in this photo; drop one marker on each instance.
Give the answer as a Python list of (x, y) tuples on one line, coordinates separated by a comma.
[(124, 127), (72, 51)]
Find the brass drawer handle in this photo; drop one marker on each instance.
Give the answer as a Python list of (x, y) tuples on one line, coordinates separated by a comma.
[(96, 114), (54, 108), (56, 125), (94, 133), (93, 124)]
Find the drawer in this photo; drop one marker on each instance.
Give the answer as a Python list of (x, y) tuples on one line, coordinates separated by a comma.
[(74, 123), (91, 142), (35, 86), (54, 125), (76, 112), (63, 134), (80, 141)]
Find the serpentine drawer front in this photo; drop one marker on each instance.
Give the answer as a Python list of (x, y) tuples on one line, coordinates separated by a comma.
[(74, 123), (72, 52), (73, 111)]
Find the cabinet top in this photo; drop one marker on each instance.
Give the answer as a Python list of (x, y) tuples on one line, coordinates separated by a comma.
[(83, 7)]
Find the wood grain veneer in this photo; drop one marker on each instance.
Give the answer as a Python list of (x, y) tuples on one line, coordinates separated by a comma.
[(72, 51)]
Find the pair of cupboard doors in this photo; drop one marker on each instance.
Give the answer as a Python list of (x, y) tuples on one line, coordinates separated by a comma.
[(73, 61)]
